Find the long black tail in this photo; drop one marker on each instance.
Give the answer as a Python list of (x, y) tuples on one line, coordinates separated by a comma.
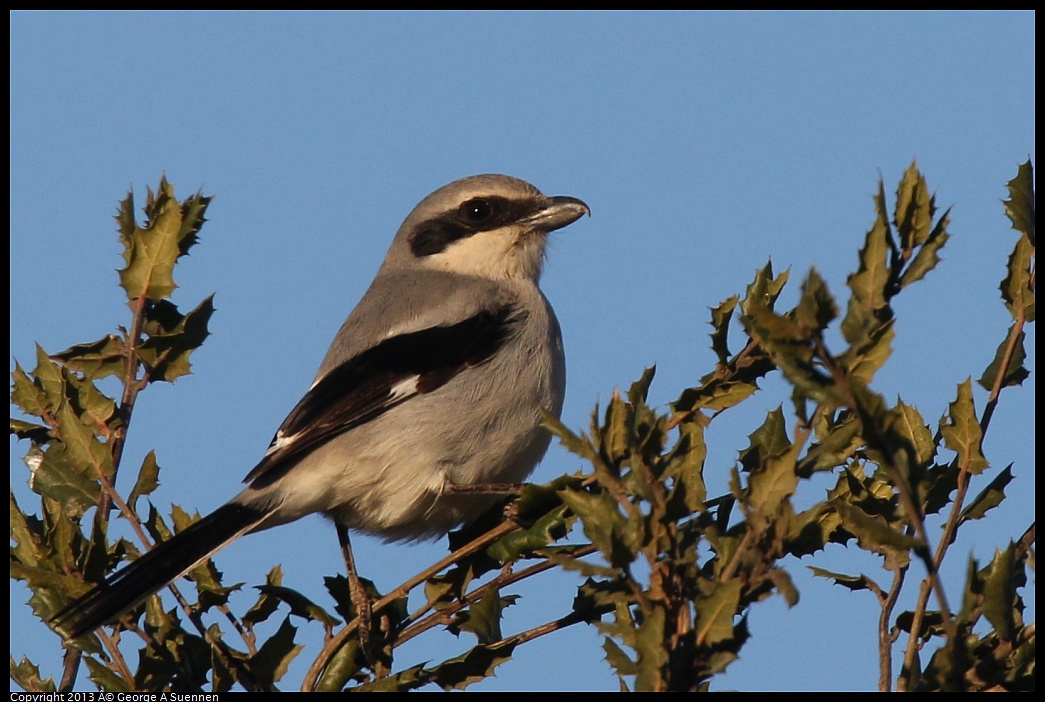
[(157, 568)]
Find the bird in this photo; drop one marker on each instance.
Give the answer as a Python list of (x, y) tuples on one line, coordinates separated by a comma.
[(434, 384)]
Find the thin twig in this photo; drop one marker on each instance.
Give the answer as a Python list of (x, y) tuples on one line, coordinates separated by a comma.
[(446, 615), (885, 637), (131, 387), (70, 667), (334, 644), (964, 477)]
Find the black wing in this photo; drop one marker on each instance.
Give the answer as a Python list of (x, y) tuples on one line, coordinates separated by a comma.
[(382, 377)]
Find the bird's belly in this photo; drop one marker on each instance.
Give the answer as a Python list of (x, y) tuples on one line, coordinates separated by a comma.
[(396, 483)]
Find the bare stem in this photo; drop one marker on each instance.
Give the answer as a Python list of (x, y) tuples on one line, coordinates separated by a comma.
[(334, 643)]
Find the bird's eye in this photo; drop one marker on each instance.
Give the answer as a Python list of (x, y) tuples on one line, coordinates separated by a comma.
[(477, 210)]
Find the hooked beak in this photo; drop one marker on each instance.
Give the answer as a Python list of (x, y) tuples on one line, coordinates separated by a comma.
[(559, 212)]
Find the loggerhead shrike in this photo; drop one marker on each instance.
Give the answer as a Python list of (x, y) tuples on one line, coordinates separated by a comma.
[(435, 380)]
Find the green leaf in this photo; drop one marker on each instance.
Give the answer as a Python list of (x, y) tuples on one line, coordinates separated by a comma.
[(345, 664), (685, 468), (864, 358), (151, 251), (27, 675), (1017, 288), (875, 534), (27, 395), (403, 681), (939, 482), (909, 446), (962, 433), (867, 306), (603, 524), (271, 661), (1020, 207), (720, 317), (173, 338), (652, 652), (42, 392), (614, 444), (266, 606), (768, 440), (98, 359), (914, 209), (809, 531), (96, 560), (471, 667), (640, 388), (620, 662), (49, 377), (94, 407), (928, 256), (148, 479), (837, 444), (852, 582), (300, 605), (816, 309), (715, 612), (764, 289), (105, 677), (83, 448), (336, 586), (35, 433), (1015, 373), (905, 422), (715, 395), (782, 581), (574, 443), (62, 478), (999, 592), (548, 528), (484, 616), (989, 498), (791, 347), (26, 533), (774, 482)]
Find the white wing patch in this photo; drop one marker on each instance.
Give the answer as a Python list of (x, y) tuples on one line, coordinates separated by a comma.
[(404, 388), (280, 442)]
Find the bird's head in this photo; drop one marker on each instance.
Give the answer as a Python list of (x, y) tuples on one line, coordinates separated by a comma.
[(490, 226)]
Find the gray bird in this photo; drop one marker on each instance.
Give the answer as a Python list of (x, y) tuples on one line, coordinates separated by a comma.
[(435, 381)]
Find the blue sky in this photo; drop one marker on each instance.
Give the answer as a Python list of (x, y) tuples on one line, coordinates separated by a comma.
[(705, 144)]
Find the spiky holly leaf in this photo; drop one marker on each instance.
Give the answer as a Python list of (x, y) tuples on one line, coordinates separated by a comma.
[(817, 307), (299, 604), (852, 582), (715, 612), (868, 303), (915, 209), (1020, 207), (150, 251), (27, 675), (1017, 288), (148, 479), (98, 359), (928, 256), (720, 318), (989, 498), (471, 667), (962, 433), (172, 339), (271, 661), (1015, 372), (875, 534), (764, 289), (41, 392)]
